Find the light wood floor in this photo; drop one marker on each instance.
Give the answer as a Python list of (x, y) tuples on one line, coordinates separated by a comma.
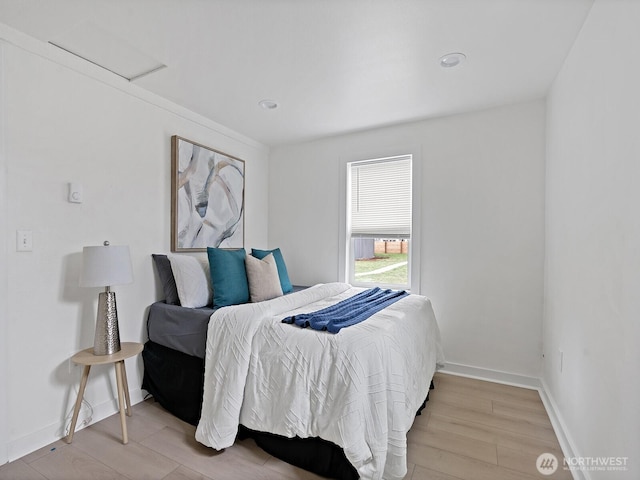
[(470, 430)]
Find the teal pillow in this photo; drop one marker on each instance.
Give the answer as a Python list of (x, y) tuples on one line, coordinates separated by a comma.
[(228, 276), (285, 283)]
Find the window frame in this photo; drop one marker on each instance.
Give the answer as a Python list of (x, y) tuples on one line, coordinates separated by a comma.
[(345, 256)]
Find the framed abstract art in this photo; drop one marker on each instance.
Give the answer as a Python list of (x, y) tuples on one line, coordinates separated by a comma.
[(207, 198)]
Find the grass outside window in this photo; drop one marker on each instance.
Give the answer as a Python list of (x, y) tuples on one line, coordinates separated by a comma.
[(366, 270)]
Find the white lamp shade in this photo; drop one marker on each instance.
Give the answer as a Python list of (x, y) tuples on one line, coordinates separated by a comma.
[(105, 266)]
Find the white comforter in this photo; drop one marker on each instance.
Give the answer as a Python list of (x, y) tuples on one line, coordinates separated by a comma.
[(359, 389)]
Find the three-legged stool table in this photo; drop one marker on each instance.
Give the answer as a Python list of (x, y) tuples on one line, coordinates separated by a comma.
[(87, 358)]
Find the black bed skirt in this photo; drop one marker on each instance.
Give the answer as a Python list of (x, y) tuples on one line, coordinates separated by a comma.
[(176, 379)]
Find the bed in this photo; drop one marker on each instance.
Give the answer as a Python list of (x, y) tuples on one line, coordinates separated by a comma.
[(349, 399)]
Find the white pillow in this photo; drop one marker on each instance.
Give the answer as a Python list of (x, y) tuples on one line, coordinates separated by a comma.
[(193, 280), (263, 278)]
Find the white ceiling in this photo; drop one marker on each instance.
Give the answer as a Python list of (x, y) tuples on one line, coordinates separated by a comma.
[(333, 66)]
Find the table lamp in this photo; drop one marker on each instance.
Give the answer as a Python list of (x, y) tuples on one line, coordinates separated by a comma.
[(106, 266)]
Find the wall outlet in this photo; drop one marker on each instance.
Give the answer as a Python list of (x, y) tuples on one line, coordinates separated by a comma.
[(560, 360)]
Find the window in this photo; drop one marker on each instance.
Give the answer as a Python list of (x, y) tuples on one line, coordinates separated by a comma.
[(379, 222)]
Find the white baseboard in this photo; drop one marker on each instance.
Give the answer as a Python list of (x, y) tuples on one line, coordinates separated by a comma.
[(562, 432), (559, 427), (41, 438), (495, 376)]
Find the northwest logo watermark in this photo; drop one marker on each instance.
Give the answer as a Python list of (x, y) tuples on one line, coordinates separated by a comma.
[(593, 464), (547, 464)]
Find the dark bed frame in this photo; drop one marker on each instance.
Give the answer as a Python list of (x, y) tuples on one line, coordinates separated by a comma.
[(175, 380)]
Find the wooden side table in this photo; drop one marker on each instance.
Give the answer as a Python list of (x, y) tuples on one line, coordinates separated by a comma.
[(87, 358)]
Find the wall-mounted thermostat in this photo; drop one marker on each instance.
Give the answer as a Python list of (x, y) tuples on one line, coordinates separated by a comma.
[(75, 192)]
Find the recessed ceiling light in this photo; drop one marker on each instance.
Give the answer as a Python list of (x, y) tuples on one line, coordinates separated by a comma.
[(452, 59), (268, 104)]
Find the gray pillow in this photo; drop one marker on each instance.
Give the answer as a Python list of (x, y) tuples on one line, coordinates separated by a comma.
[(263, 279), (167, 280)]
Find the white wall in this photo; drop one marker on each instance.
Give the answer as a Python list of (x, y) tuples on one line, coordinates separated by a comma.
[(592, 304), (3, 278), (69, 121), (482, 224)]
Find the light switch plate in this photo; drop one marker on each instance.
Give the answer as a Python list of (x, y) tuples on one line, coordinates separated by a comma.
[(24, 241)]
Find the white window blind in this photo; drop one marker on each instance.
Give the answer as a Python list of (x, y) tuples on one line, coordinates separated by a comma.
[(381, 198)]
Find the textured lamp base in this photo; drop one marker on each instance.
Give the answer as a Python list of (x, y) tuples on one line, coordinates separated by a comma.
[(107, 338)]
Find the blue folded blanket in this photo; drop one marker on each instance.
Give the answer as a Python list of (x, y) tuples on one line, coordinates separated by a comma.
[(348, 312)]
